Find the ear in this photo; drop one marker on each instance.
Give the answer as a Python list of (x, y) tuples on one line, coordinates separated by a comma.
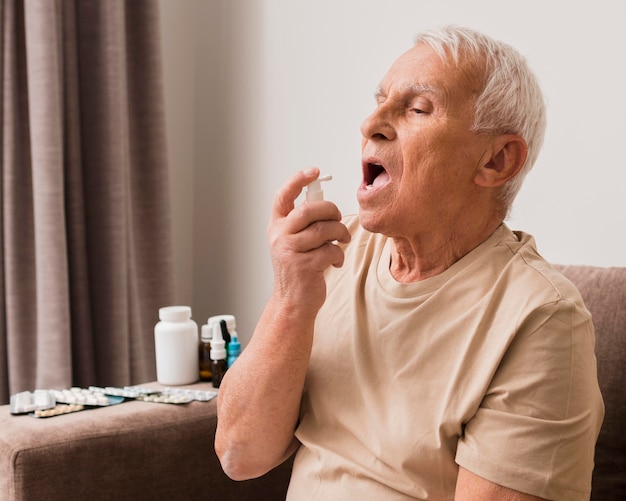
[(502, 162)]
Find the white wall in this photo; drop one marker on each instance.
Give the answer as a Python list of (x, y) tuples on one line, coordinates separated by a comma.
[(258, 89)]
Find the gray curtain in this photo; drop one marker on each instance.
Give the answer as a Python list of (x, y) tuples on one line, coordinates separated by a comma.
[(85, 228)]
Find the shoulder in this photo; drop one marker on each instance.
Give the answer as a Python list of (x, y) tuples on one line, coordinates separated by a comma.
[(527, 273)]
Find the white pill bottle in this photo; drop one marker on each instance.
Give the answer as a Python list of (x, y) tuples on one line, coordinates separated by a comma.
[(176, 346)]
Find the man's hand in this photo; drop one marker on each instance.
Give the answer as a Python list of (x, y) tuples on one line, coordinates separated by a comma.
[(302, 244)]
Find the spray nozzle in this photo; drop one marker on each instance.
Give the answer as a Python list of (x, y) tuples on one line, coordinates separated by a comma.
[(314, 189)]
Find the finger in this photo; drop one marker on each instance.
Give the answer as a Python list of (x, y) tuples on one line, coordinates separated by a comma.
[(286, 196), (327, 255), (307, 214), (329, 231), (316, 235)]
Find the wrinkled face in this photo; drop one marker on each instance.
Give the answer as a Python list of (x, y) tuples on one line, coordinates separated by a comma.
[(419, 156)]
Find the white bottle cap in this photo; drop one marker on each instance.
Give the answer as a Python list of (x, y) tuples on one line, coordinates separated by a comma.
[(218, 345), (230, 321), (175, 313), (314, 189), (206, 332)]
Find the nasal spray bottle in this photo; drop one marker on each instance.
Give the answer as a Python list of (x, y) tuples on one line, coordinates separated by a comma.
[(218, 355), (314, 189)]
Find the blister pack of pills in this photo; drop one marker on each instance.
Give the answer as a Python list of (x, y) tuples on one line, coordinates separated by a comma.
[(26, 402), (57, 410), (197, 395), (161, 398), (126, 391), (178, 396), (48, 403), (160, 395), (85, 396)]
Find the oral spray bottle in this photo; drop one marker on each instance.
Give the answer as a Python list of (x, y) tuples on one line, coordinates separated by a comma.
[(314, 189)]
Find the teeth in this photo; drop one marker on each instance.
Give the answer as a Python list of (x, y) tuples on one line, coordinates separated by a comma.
[(369, 187)]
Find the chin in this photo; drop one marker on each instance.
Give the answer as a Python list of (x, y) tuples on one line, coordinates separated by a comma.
[(370, 220)]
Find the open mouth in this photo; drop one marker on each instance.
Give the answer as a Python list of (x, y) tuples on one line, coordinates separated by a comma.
[(374, 175)]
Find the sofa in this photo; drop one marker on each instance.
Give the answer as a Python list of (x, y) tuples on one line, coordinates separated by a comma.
[(143, 450), (604, 292)]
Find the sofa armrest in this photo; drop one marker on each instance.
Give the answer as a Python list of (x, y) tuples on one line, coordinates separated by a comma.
[(135, 450)]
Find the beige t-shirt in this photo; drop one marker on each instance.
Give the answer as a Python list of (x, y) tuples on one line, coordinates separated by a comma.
[(489, 365)]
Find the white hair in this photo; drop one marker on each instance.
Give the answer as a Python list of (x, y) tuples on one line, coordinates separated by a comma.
[(511, 101)]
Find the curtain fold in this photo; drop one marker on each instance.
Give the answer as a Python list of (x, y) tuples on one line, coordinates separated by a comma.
[(86, 238)]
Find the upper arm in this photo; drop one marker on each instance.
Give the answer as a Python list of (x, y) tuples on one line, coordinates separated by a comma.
[(536, 427), (471, 487)]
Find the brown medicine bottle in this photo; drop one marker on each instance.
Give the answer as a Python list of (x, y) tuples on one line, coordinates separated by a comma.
[(204, 353)]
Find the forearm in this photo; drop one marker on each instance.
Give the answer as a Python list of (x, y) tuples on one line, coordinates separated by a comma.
[(259, 399), (471, 487)]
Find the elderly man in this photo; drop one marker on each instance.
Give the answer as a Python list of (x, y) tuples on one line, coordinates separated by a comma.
[(421, 350)]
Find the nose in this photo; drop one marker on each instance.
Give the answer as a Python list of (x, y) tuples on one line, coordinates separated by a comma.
[(378, 126)]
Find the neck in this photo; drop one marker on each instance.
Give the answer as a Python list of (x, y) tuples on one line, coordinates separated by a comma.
[(423, 257)]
